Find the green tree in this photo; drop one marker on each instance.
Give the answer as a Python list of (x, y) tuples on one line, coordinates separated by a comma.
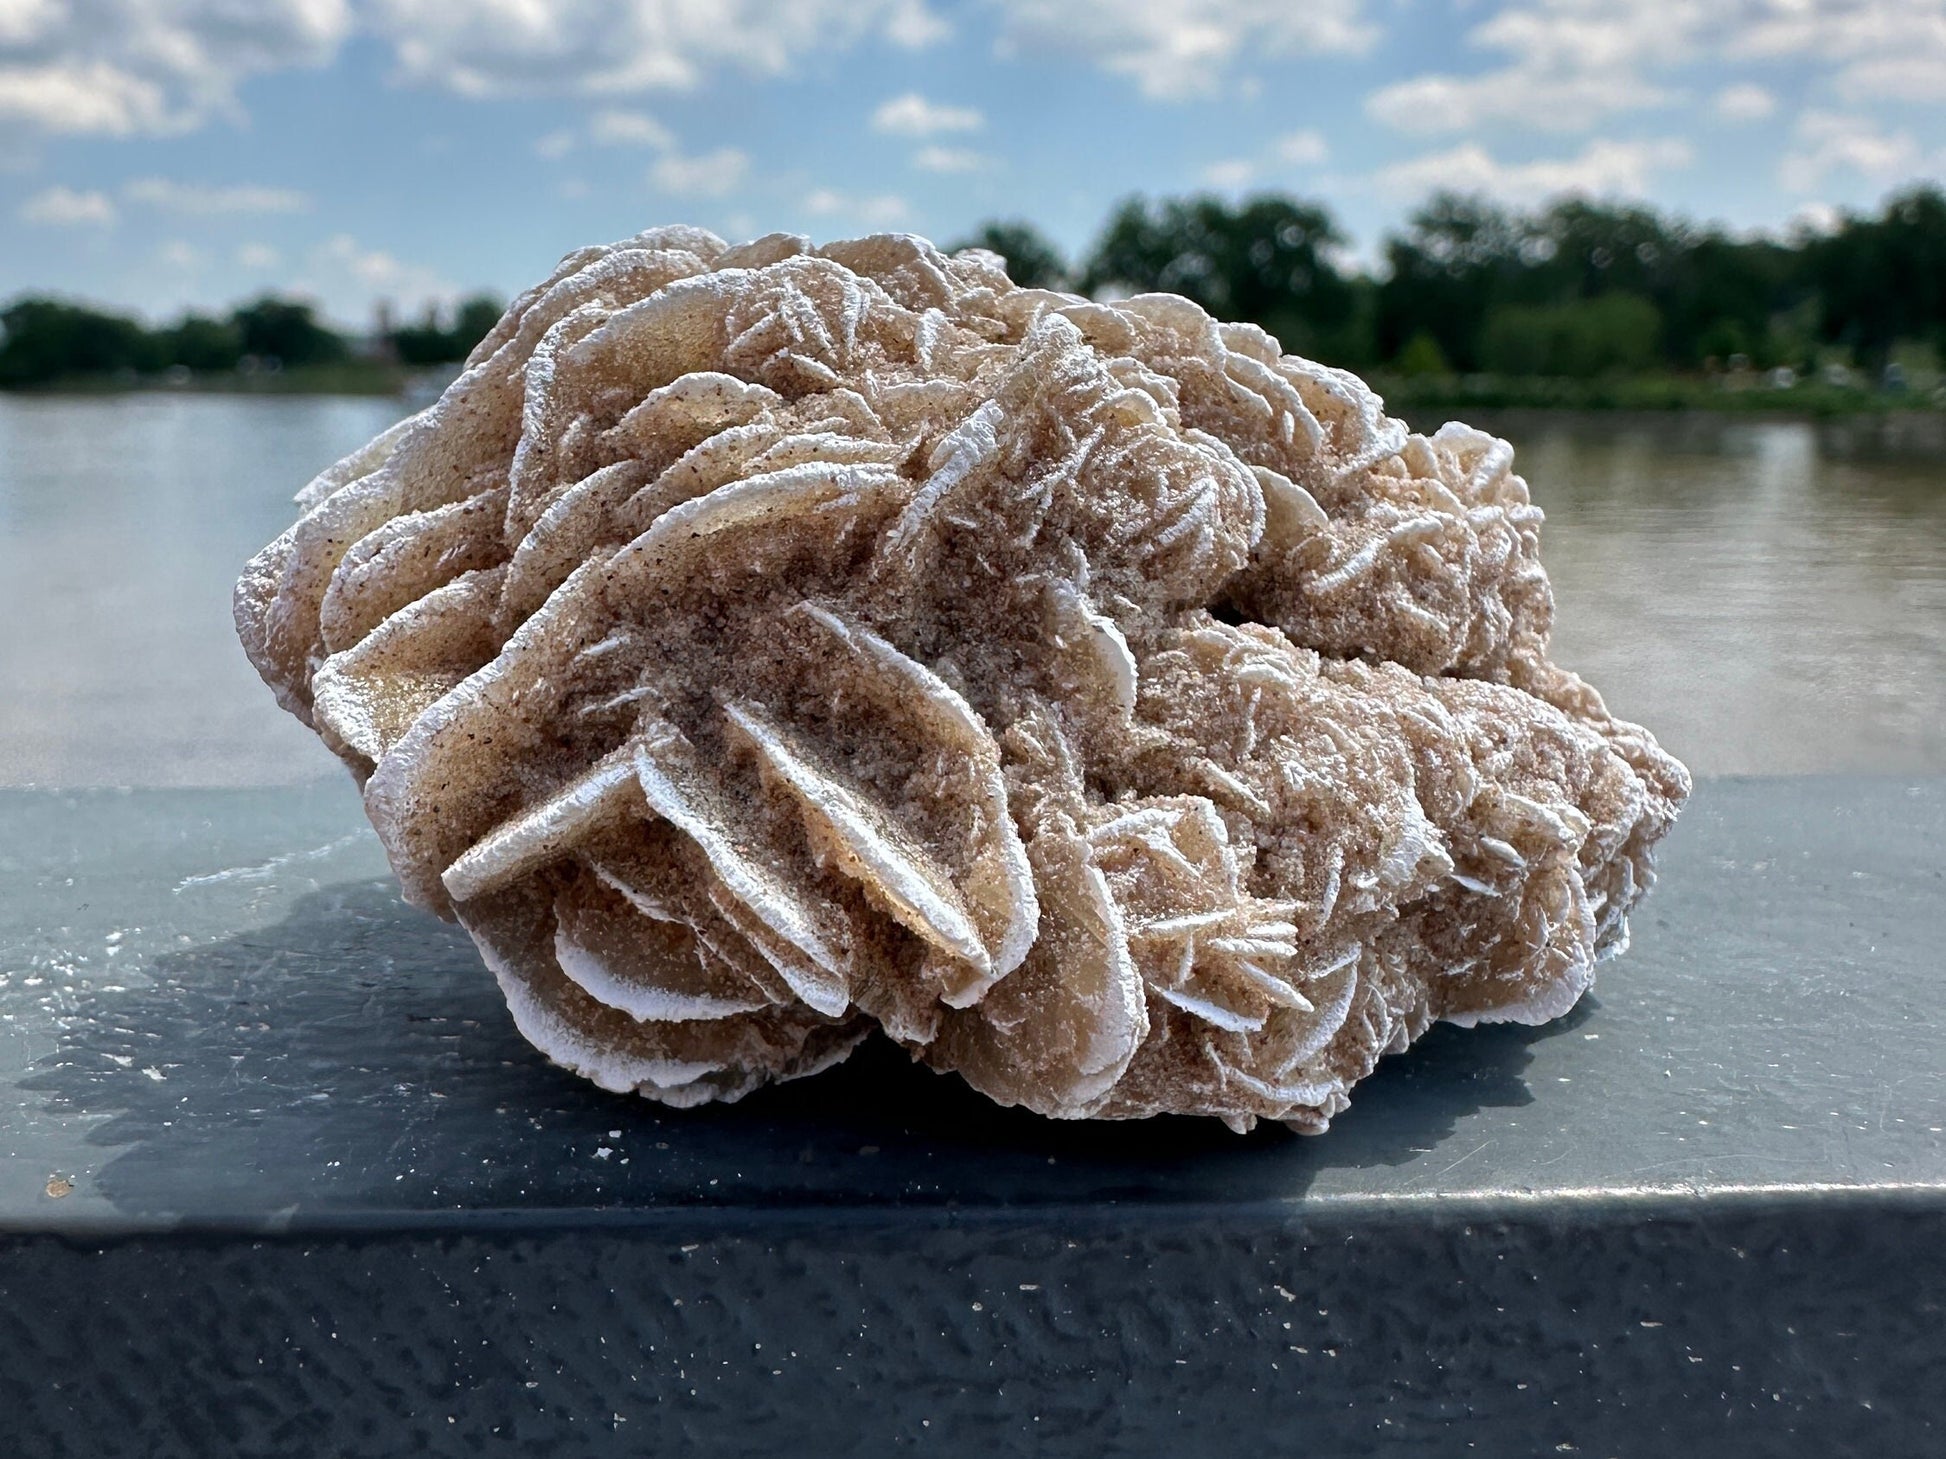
[(431, 343), (1421, 355), (198, 342), (1458, 258), (1584, 338), (1882, 279), (50, 339), (473, 321), (1267, 259), (424, 343), (1033, 261), (288, 331)]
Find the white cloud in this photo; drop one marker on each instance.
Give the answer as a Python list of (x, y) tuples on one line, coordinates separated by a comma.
[(205, 200), (951, 159), (1303, 149), (881, 209), (348, 278), (518, 47), (1571, 64), (912, 115), (372, 266), (1744, 102), (1538, 98), (1231, 174), (710, 175), (555, 145), (1891, 50), (1601, 169), (911, 25), (1913, 77), (1180, 48), (1815, 220), (118, 68), (1826, 142), (614, 128), (80, 97), (876, 211), (259, 256), (65, 207), (180, 255)]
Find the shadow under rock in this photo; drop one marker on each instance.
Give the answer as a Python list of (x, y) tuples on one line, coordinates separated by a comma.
[(356, 1059)]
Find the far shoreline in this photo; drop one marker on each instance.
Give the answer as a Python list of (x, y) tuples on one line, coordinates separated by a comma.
[(365, 379), (1424, 402)]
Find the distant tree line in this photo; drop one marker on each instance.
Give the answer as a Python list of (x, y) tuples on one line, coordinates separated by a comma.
[(1576, 289), (44, 340)]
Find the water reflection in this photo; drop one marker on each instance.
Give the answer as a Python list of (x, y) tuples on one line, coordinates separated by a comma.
[(123, 523), (1769, 596)]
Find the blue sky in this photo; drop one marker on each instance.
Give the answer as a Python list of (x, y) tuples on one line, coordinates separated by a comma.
[(162, 153)]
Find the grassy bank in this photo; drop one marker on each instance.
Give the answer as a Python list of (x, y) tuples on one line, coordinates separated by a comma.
[(346, 377), (1458, 394), (1405, 394)]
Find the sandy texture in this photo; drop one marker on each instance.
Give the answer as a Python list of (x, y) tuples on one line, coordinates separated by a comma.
[(759, 645)]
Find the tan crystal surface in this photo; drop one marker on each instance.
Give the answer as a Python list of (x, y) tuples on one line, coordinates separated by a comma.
[(759, 645)]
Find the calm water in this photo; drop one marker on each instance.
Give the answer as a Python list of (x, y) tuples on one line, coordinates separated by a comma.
[(1769, 597)]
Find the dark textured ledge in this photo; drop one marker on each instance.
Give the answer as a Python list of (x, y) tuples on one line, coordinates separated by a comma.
[(320, 1199)]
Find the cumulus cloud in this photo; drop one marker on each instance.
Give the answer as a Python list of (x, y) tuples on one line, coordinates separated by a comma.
[(1825, 142), (66, 207), (1299, 149), (874, 212), (505, 47), (615, 128), (912, 115), (1570, 65), (1893, 50), (1916, 76), (1532, 94), (205, 200), (347, 277), (258, 256), (81, 97), (951, 159), (1230, 174), (609, 127), (371, 265), (1815, 220), (1180, 48), (710, 175), (119, 68), (1601, 169), (1744, 102), (1303, 149)]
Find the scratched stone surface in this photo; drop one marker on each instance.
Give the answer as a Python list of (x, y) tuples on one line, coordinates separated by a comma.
[(276, 1170)]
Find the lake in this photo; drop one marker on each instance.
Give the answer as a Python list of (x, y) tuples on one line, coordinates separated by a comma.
[(1768, 596)]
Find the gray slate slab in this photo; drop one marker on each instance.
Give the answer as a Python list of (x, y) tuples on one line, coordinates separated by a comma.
[(321, 1198)]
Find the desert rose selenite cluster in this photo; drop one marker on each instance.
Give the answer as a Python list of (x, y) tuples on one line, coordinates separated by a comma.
[(757, 646)]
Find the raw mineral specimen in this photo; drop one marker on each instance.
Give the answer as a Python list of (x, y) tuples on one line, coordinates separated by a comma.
[(760, 645)]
